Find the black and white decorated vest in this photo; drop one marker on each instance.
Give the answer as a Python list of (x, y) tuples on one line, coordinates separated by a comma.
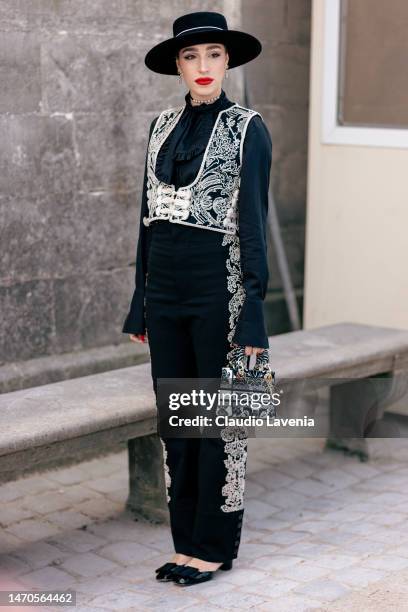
[(210, 201)]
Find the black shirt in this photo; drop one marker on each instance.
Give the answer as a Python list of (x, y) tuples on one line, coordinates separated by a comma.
[(178, 163)]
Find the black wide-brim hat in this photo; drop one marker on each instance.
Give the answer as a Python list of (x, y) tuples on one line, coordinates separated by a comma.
[(202, 27)]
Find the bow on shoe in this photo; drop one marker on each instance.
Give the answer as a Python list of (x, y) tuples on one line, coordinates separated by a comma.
[(188, 575), (166, 572)]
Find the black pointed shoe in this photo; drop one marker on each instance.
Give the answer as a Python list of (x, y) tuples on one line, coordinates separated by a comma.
[(188, 575), (165, 573)]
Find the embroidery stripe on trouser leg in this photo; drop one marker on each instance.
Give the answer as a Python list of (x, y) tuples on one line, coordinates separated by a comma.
[(235, 438), (167, 477), (236, 448)]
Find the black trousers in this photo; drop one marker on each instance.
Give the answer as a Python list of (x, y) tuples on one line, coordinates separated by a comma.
[(188, 320)]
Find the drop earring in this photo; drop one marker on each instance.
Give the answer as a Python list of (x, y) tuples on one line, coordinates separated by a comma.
[(180, 79), (226, 71)]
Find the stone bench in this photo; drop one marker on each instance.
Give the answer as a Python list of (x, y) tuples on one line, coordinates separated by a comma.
[(349, 351), (63, 419)]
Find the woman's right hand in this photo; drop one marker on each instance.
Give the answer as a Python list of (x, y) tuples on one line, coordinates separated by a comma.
[(138, 338)]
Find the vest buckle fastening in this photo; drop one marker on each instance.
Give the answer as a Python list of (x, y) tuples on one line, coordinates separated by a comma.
[(172, 203)]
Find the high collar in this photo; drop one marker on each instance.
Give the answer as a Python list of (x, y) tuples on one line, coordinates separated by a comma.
[(219, 104)]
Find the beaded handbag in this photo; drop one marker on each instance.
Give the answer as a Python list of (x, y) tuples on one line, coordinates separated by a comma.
[(238, 380)]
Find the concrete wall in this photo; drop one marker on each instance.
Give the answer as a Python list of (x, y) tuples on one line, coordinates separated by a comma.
[(357, 223), (279, 85), (76, 101), (75, 104)]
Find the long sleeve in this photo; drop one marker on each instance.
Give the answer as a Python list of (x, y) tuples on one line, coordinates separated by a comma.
[(252, 218), (135, 322)]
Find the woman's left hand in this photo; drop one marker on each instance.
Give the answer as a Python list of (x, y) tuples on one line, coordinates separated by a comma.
[(251, 350)]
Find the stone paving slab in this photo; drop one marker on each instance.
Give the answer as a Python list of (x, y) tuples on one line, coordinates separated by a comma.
[(387, 595), (321, 531)]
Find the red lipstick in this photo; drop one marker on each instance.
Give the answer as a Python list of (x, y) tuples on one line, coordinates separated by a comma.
[(204, 81)]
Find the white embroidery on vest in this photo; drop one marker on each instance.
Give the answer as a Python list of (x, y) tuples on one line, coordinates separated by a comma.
[(211, 200)]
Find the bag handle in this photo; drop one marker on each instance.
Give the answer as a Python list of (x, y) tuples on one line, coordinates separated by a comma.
[(238, 359)]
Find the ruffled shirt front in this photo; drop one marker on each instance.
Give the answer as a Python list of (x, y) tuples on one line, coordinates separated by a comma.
[(180, 156), (178, 162)]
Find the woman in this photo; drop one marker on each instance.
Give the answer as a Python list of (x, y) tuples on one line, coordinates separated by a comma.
[(199, 292)]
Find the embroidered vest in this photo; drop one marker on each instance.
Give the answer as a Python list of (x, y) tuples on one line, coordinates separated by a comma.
[(210, 201)]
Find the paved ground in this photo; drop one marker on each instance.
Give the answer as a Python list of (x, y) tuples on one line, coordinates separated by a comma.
[(321, 531)]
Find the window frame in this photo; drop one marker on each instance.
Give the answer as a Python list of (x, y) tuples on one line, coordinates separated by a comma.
[(331, 131)]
